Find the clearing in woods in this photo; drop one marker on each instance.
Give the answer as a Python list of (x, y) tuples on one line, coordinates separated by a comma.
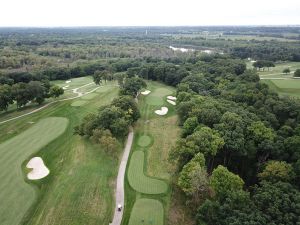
[(149, 171)]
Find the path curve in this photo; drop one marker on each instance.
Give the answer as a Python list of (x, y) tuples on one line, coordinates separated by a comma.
[(75, 91), (118, 215)]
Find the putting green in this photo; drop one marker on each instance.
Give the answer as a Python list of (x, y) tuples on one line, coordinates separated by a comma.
[(16, 195), (137, 179), (148, 212), (144, 141), (154, 100), (156, 96), (78, 103), (161, 92), (89, 96)]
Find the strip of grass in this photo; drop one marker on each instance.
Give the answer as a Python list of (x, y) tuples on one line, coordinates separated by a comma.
[(148, 212), (139, 181), (157, 127), (16, 195)]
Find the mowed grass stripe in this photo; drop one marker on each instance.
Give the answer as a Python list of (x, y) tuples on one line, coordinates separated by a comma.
[(137, 179), (147, 211), (16, 195)]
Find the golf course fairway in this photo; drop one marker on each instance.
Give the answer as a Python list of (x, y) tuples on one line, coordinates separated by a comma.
[(16, 194)]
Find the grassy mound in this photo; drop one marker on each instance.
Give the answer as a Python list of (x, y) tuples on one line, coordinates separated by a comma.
[(137, 179), (144, 141), (78, 103), (15, 193), (147, 211)]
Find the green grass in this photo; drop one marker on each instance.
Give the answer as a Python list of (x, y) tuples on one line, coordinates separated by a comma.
[(154, 100), (276, 72), (139, 181), (80, 187), (89, 96), (154, 157), (156, 96), (75, 82), (144, 141), (16, 195), (148, 212), (287, 84), (78, 103)]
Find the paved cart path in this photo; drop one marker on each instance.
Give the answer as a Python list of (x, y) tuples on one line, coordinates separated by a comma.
[(118, 215)]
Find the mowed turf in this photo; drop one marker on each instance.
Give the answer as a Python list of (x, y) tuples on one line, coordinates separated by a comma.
[(78, 103), (147, 212), (16, 195), (139, 181), (144, 141), (156, 96)]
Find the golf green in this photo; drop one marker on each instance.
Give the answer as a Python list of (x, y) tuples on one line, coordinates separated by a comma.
[(16, 194), (139, 181), (144, 141), (147, 211)]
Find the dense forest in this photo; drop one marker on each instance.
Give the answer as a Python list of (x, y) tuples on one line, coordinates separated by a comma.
[(238, 157)]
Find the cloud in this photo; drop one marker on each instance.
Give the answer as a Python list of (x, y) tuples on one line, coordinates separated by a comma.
[(141, 12)]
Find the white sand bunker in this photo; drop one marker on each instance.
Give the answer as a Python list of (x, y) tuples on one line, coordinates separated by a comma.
[(171, 98), (162, 111), (39, 170), (147, 92), (66, 87), (171, 102), (68, 81)]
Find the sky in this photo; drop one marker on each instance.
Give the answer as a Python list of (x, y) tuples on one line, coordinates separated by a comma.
[(59, 13)]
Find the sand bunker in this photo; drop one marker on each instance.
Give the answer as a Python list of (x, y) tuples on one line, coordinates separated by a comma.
[(162, 111), (66, 87), (171, 98), (39, 170), (147, 92), (68, 81), (171, 102)]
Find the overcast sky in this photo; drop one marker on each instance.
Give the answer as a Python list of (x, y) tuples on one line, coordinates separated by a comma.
[(148, 12)]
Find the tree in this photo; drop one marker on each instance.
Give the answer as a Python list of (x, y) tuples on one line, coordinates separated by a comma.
[(129, 106), (37, 91), (97, 77), (277, 171), (105, 139), (224, 182), (21, 94), (132, 86), (286, 70), (297, 73), (6, 97), (279, 202), (56, 91), (189, 126), (193, 178), (207, 140), (231, 129)]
